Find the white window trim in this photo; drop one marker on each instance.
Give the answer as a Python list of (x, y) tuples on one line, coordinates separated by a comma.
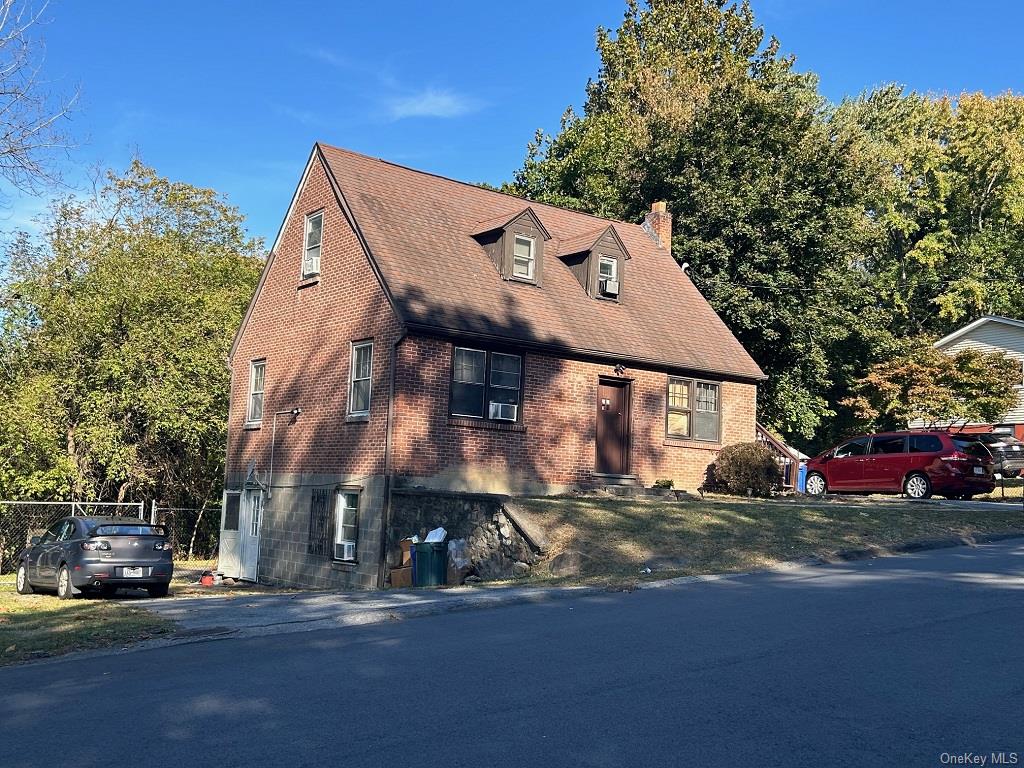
[(532, 274), (352, 377), (615, 267), (338, 521), (253, 364), (307, 274)]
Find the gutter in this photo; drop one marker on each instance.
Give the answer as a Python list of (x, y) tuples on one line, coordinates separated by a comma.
[(385, 515), (581, 353)]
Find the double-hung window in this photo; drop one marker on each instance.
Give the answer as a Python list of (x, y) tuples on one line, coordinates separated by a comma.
[(257, 377), (311, 252), (346, 524), (524, 262), (693, 409), (360, 377), (486, 385), (607, 268)]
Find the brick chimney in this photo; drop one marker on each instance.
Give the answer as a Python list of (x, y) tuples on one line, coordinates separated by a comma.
[(658, 224)]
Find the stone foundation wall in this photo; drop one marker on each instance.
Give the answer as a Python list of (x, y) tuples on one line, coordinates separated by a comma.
[(494, 547)]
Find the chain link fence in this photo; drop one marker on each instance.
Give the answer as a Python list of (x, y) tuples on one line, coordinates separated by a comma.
[(21, 520), (194, 532)]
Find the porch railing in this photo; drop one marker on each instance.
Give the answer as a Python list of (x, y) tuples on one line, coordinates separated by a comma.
[(789, 462)]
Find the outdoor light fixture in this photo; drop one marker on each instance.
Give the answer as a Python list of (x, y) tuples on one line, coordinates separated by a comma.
[(620, 369), (294, 413)]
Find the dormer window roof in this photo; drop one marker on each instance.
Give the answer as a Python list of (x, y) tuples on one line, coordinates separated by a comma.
[(515, 244), (598, 260)]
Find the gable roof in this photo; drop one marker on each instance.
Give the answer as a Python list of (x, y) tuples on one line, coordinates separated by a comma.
[(418, 230), (984, 320), (588, 240), (502, 221)]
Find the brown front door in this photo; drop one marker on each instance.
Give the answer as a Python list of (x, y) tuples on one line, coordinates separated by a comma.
[(613, 427)]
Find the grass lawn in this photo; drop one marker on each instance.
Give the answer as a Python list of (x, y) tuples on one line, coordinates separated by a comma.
[(621, 536), (35, 626)]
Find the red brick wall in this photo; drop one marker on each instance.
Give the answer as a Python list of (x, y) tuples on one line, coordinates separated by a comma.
[(304, 330), (559, 411)]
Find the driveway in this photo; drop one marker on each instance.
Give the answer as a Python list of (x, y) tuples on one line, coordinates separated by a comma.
[(905, 661)]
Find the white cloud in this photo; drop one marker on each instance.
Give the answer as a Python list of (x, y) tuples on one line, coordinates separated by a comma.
[(431, 102)]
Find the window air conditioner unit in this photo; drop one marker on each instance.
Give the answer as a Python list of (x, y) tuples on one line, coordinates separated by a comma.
[(610, 287), (504, 411), (346, 550)]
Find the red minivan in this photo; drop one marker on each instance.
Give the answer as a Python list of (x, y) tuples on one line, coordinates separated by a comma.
[(916, 463)]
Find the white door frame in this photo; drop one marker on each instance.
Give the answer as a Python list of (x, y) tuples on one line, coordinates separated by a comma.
[(249, 524), (228, 561)]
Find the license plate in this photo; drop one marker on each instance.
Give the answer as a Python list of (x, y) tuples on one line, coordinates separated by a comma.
[(132, 573), (979, 470)]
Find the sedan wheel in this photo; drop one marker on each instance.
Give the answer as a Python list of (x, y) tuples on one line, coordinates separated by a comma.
[(65, 589), (815, 485), (24, 588), (917, 487)]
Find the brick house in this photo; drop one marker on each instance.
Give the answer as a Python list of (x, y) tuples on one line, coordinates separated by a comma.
[(409, 330)]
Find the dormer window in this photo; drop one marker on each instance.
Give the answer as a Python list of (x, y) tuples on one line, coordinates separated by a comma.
[(314, 236), (608, 275), (597, 259), (523, 259), (515, 243)]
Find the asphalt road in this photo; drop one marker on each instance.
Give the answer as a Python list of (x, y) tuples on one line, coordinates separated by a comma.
[(910, 661)]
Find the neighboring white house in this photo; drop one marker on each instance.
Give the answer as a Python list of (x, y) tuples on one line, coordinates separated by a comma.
[(994, 334)]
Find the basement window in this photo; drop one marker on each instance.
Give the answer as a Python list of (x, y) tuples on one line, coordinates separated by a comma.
[(346, 525)]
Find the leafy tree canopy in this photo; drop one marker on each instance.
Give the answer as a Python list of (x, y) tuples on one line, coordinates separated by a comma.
[(924, 385), (114, 332), (822, 235)]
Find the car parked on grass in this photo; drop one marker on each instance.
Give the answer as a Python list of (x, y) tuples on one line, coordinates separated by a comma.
[(916, 463), (99, 555), (1007, 451)]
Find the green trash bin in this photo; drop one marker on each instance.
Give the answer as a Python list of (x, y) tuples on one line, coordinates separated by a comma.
[(431, 564)]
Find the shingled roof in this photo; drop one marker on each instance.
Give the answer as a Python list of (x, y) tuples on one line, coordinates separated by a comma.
[(419, 230)]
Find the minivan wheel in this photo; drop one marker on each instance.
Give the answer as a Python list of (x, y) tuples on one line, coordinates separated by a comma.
[(65, 589), (917, 486), (24, 588), (815, 484)]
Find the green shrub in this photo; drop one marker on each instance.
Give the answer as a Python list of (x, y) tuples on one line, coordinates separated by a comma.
[(663, 483), (746, 468)]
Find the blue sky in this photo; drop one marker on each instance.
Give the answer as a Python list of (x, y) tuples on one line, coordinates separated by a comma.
[(233, 94)]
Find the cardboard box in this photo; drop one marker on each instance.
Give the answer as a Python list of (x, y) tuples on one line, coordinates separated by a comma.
[(406, 545), (401, 577)]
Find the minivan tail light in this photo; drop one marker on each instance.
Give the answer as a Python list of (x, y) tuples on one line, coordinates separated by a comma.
[(956, 457)]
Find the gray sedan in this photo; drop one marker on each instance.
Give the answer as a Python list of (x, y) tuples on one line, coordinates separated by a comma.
[(97, 554)]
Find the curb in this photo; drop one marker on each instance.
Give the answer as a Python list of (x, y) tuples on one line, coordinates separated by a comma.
[(523, 595)]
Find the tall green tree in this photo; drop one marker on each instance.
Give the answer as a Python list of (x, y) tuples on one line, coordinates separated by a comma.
[(695, 106), (115, 330), (948, 205)]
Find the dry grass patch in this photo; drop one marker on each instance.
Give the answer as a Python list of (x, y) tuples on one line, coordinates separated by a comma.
[(621, 536), (40, 625)]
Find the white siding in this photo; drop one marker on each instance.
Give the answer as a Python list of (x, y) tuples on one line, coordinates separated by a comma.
[(994, 336)]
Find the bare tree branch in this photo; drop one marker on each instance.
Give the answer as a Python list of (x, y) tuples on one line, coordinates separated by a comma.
[(29, 115)]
